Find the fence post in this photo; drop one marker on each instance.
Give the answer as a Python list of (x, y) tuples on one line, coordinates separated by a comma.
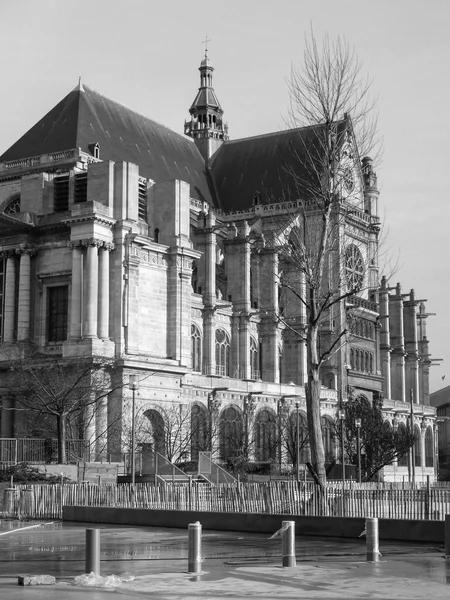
[(373, 551), (288, 543), (447, 536), (92, 554), (194, 547)]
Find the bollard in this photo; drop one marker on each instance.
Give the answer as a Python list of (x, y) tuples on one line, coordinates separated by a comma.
[(194, 547), (447, 536), (288, 543), (92, 554), (373, 552)]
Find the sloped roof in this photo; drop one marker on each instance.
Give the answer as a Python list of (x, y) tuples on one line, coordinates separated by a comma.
[(86, 117), (206, 97), (263, 165)]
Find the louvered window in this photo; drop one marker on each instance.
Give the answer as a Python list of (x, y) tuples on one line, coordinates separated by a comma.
[(61, 193), (80, 191), (57, 313), (142, 199)]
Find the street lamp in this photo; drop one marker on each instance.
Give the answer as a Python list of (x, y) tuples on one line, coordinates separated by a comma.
[(297, 406), (342, 418), (133, 382), (358, 446)]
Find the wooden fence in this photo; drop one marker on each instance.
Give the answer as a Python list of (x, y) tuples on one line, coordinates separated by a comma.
[(275, 497)]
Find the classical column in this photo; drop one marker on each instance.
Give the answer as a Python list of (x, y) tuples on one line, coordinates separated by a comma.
[(103, 295), (10, 299), (91, 289), (23, 318), (76, 292)]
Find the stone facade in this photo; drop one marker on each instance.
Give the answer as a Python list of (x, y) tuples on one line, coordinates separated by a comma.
[(104, 255)]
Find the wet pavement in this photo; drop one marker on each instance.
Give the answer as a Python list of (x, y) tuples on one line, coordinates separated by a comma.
[(235, 565)]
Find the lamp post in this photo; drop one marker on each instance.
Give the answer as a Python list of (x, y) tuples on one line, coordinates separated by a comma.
[(297, 406), (342, 418), (133, 382), (358, 446)]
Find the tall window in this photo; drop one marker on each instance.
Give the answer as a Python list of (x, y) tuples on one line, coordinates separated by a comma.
[(429, 451), (231, 433), (57, 313), (61, 193), (254, 359), (265, 435), (417, 447), (196, 348), (199, 431), (2, 295), (402, 460), (80, 188), (222, 353), (327, 437)]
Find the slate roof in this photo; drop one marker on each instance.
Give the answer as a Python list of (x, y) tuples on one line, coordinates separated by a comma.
[(260, 165), (86, 117)]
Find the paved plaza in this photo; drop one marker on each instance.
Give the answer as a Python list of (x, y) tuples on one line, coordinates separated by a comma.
[(235, 565)]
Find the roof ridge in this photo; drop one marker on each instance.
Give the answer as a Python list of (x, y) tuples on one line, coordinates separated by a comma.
[(86, 87), (273, 133)]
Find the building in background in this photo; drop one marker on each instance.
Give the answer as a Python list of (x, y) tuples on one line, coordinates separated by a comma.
[(122, 238)]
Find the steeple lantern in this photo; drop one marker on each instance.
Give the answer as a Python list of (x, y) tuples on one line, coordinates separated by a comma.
[(206, 125)]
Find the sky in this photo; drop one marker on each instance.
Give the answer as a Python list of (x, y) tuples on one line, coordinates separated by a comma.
[(145, 54)]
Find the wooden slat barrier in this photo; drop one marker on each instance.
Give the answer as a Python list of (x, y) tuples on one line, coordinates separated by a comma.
[(274, 497)]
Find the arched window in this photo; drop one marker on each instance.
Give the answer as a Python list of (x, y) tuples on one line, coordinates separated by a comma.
[(402, 461), (196, 348), (327, 438), (370, 362), (154, 430), (231, 433), (352, 358), (265, 432), (417, 447), (254, 359), (429, 451), (222, 353), (291, 437), (13, 206), (200, 428), (354, 268)]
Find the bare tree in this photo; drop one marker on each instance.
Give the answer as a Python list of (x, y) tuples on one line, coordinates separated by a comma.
[(380, 443), (63, 393), (334, 122)]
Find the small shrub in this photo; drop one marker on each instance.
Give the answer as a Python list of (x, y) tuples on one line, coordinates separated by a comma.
[(25, 473)]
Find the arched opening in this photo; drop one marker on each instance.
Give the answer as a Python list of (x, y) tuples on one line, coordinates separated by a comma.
[(231, 433), (265, 432), (154, 431), (327, 438), (254, 359)]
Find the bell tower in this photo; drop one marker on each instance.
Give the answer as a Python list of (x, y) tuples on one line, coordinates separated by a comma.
[(206, 125)]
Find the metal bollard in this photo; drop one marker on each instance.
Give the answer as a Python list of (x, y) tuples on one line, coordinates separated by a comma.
[(288, 543), (447, 536), (194, 547), (373, 551), (92, 555)]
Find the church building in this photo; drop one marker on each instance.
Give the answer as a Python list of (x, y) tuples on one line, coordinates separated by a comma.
[(166, 252)]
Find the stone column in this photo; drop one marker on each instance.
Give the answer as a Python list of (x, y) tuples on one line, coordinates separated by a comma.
[(23, 317), (385, 342), (10, 299), (76, 292), (103, 296), (398, 344), (91, 290), (214, 405)]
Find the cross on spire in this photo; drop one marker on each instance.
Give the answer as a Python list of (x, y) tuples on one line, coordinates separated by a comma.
[(206, 45)]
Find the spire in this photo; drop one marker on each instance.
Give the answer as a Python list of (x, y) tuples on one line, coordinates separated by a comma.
[(206, 125)]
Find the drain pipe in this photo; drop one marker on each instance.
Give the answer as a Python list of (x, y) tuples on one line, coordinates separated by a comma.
[(194, 547), (447, 536)]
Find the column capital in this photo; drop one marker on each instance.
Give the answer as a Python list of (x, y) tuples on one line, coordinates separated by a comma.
[(109, 246), (26, 250), (92, 242)]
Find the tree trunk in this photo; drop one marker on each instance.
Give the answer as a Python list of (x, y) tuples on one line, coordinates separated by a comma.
[(62, 459)]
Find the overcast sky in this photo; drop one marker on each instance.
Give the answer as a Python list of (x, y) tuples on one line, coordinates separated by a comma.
[(146, 53)]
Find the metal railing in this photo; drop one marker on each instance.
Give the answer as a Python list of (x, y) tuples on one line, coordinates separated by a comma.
[(41, 451)]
